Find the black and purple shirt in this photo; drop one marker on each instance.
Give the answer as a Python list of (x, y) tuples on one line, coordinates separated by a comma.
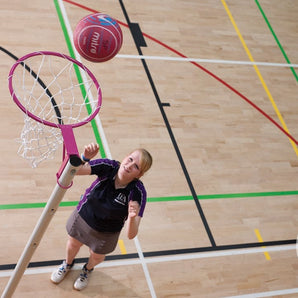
[(103, 207)]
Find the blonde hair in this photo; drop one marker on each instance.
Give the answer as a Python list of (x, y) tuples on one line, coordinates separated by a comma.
[(145, 160)]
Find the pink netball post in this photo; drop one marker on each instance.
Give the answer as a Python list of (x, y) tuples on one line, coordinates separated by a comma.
[(97, 37), (56, 93)]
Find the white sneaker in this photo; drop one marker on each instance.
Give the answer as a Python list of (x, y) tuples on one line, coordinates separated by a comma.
[(59, 274), (82, 281)]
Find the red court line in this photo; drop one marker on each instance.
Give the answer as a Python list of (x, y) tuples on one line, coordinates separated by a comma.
[(202, 68)]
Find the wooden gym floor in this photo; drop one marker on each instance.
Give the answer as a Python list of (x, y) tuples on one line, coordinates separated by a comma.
[(222, 213)]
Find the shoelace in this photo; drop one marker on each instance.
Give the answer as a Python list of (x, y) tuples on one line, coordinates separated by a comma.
[(62, 269), (83, 276)]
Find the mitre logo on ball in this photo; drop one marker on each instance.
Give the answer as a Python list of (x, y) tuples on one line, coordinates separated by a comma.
[(98, 37)]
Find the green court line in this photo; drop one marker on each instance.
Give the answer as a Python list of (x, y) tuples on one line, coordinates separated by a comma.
[(72, 54), (276, 39), (103, 154), (166, 199), (34, 205), (225, 196)]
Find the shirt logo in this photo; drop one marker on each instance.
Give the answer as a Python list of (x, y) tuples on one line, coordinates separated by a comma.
[(121, 199)]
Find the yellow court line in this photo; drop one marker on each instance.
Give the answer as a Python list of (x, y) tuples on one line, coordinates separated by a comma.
[(122, 247), (260, 239), (259, 75)]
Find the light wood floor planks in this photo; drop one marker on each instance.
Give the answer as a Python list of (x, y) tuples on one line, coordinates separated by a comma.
[(209, 142)]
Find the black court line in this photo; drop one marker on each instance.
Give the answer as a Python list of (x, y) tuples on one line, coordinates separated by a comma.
[(168, 126), (160, 253), (41, 83), (214, 247)]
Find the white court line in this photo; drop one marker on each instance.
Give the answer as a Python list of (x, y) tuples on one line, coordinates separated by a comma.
[(163, 259), (78, 57), (141, 259), (192, 256), (108, 152), (145, 268), (267, 294), (166, 58)]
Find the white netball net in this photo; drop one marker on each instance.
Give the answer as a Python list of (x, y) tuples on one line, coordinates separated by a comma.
[(38, 142), (51, 88)]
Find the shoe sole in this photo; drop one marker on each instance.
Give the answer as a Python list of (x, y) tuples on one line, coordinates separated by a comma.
[(58, 282), (79, 289)]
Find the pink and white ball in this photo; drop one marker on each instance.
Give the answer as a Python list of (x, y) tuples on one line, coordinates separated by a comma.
[(98, 37)]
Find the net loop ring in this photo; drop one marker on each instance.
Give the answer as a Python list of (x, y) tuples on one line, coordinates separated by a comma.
[(62, 186)]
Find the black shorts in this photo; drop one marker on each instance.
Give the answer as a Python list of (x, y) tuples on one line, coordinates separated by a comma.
[(98, 242)]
